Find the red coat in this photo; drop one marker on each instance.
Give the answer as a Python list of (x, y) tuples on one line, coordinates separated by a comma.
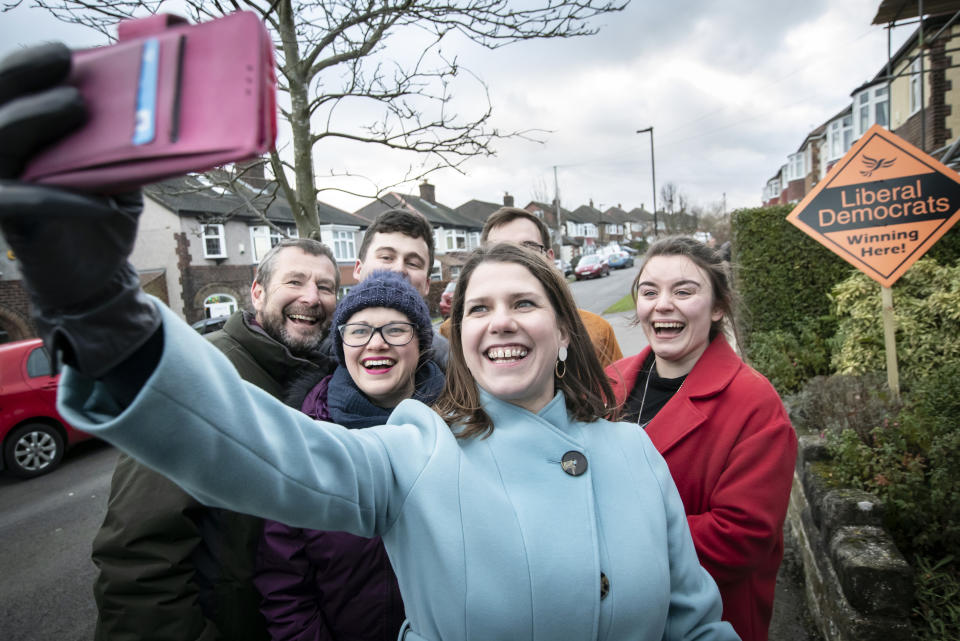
[(731, 450)]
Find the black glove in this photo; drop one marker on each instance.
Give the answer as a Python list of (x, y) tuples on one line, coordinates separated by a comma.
[(72, 247)]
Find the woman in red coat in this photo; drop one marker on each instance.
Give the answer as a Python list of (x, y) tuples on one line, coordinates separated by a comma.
[(719, 424)]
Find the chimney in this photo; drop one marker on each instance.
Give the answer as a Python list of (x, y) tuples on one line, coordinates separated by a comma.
[(428, 192), (507, 199)]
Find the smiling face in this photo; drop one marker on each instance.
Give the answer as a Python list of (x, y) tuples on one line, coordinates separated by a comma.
[(399, 253), (675, 308), (510, 335), (295, 306), (384, 372), (518, 230)]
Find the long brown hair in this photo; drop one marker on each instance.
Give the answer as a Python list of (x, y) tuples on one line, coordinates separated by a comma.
[(586, 388)]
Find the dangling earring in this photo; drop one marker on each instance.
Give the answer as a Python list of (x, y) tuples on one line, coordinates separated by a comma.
[(561, 360)]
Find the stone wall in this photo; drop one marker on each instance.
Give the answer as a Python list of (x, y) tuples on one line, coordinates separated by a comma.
[(858, 585)]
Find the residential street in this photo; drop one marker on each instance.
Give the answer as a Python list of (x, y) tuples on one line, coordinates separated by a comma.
[(46, 527)]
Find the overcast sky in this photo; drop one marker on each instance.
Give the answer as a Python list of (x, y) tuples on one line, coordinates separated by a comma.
[(731, 88)]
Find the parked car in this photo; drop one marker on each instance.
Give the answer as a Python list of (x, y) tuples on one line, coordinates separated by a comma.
[(620, 260), (563, 266), (210, 325), (591, 266), (33, 433), (446, 299)]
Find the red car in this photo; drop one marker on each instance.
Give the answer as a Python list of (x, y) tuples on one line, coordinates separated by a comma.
[(591, 266), (33, 433), (446, 299)]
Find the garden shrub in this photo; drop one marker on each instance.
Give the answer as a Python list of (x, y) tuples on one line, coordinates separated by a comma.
[(937, 599), (926, 304), (783, 278), (790, 358)]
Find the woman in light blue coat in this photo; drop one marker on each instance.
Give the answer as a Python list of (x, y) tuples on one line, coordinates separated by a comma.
[(513, 511)]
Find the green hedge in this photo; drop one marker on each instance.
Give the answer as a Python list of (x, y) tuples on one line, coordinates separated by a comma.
[(783, 276)]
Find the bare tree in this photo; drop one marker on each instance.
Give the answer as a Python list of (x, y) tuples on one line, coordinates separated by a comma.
[(335, 57)]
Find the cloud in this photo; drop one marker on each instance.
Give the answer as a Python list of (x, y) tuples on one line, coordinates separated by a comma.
[(730, 88)]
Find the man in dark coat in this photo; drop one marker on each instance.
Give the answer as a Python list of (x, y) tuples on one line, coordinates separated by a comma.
[(170, 567)]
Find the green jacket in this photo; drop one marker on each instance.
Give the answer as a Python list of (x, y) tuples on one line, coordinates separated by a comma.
[(171, 568)]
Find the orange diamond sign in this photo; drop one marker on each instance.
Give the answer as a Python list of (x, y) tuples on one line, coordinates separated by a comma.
[(882, 206)]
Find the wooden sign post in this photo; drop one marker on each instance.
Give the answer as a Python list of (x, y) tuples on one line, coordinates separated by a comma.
[(880, 208)]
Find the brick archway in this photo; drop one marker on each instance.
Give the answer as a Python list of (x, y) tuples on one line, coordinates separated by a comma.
[(196, 310), (16, 326)]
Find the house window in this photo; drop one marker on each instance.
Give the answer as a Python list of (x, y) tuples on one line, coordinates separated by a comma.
[(474, 240), (455, 271), (863, 111), (590, 230), (438, 239), (344, 245), (795, 168), (436, 273), (219, 305), (871, 107), (915, 80), (456, 239), (264, 237), (840, 136), (214, 244), (881, 106)]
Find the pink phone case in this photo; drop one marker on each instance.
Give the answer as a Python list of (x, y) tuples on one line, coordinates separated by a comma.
[(168, 98)]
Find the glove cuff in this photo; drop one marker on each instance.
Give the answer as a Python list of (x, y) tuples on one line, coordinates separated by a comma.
[(97, 338)]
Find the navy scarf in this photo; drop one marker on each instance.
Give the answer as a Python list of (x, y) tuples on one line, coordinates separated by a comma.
[(351, 408)]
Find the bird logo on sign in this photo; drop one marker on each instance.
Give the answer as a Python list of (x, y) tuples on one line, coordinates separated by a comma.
[(873, 164)]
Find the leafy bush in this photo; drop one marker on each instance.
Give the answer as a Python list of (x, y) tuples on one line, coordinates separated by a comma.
[(790, 358), (926, 304), (782, 275), (937, 599), (913, 464), (832, 404)]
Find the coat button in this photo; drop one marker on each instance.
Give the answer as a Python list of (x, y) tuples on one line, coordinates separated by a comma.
[(604, 586), (574, 463)]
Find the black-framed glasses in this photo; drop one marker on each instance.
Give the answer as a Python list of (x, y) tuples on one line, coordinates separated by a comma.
[(397, 333), (537, 247)]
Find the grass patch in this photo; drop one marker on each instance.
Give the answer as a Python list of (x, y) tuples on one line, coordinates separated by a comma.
[(625, 304)]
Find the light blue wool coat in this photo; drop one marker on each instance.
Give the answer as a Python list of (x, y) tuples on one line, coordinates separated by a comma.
[(489, 538)]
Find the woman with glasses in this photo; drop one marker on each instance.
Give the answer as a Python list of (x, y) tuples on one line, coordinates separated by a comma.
[(318, 584)]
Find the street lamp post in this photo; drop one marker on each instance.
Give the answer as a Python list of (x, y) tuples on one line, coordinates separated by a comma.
[(653, 173)]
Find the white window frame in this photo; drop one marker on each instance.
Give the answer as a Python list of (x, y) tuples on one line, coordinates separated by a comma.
[(272, 236), (868, 105), (438, 240), (839, 137), (796, 166), (219, 235), (456, 240), (589, 230), (473, 240), (343, 242), (436, 272), (881, 101), (221, 307), (915, 79)]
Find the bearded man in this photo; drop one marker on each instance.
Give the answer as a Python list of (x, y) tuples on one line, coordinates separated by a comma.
[(170, 567)]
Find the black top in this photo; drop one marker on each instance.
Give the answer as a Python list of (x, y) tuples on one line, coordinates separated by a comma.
[(658, 392)]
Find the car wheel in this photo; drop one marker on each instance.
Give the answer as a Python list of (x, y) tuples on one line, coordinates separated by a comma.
[(33, 449)]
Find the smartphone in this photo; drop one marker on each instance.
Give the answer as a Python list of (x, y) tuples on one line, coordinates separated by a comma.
[(166, 99)]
